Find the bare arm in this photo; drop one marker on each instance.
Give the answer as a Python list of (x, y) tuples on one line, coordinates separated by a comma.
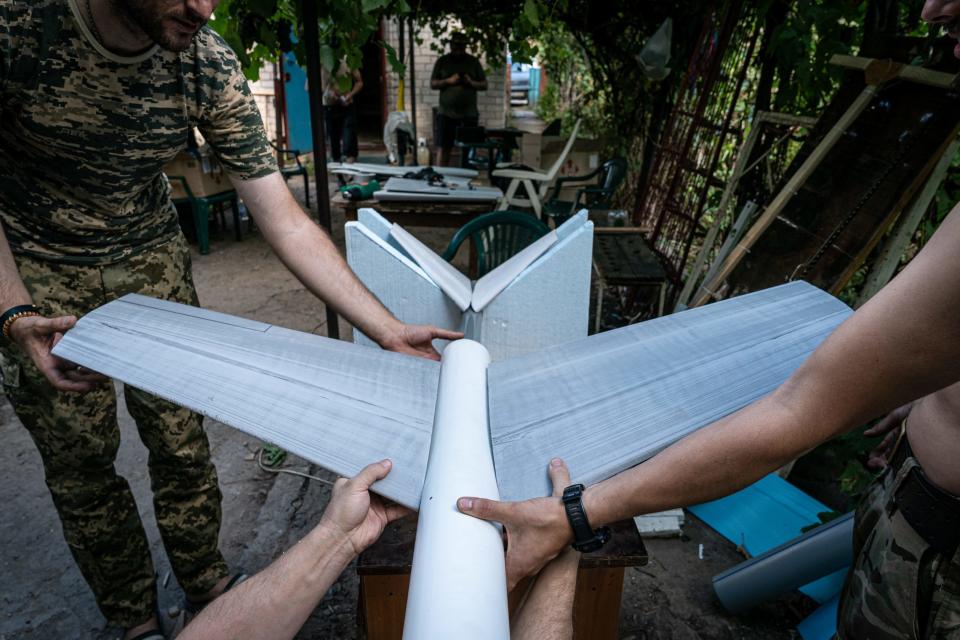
[(902, 345), (275, 603), (357, 86), (310, 254)]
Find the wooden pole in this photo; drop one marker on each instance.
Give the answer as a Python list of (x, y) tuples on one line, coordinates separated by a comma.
[(894, 247), (786, 194), (413, 86), (739, 170), (311, 37)]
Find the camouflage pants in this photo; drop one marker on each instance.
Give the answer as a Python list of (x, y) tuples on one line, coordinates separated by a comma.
[(898, 587), (77, 436)]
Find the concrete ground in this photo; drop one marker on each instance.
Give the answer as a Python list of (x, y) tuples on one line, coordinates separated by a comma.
[(42, 594)]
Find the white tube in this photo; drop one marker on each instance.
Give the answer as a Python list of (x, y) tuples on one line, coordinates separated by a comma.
[(458, 586)]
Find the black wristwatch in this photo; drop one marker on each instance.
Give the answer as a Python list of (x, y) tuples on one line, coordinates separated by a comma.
[(585, 539)]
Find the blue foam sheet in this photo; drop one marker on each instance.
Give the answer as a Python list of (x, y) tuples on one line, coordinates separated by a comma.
[(822, 623), (765, 515)]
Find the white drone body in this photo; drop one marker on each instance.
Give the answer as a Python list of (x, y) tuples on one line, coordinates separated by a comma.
[(529, 386)]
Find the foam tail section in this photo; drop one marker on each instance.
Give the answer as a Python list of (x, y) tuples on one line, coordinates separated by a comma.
[(548, 302), (394, 277), (608, 402), (339, 405)]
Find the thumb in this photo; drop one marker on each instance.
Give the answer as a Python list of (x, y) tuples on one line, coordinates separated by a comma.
[(484, 509), (47, 326), (370, 474), (559, 476)]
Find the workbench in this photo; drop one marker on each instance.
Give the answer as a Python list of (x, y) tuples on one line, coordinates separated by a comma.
[(449, 215), (622, 258), (384, 571)]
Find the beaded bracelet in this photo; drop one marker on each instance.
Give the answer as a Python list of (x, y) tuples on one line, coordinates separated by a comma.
[(14, 313)]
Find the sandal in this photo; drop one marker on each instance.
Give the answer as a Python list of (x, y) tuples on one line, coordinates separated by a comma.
[(191, 608)]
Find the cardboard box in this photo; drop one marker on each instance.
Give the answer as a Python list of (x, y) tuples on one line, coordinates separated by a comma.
[(542, 151), (205, 176)]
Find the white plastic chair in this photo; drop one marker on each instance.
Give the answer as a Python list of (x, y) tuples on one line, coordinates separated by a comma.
[(527, 178)]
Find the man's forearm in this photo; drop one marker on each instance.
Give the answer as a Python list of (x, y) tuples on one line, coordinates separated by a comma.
[(275, 603), (733, 453), (311, 255), (12, 291)]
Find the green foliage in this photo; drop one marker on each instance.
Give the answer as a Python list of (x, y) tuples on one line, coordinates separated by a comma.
[(802, 45), (259, 30)]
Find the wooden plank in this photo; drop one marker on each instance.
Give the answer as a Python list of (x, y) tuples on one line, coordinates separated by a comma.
[(889, 258), (905, 197), (879, 71), (739, 169), (786, 194)]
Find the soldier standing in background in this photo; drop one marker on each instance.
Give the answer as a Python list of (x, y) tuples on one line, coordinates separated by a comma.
[(458, 76)]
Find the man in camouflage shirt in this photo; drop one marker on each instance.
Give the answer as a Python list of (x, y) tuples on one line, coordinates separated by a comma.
[(95, 97)]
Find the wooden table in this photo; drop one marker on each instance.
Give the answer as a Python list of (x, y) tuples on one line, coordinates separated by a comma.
[(384, 571), (622, 257), (449, 215)]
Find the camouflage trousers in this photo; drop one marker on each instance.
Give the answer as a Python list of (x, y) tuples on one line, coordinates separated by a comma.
[(898, 587), (78, 436)]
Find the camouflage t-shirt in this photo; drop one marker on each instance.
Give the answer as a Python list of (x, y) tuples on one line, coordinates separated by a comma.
[(84, 133)]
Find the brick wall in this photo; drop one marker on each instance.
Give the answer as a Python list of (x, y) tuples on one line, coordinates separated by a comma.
[(492, 104), (263, 93)]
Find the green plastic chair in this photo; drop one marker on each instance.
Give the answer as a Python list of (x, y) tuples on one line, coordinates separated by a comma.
[(497, 237), (598, 195), (201, 205)]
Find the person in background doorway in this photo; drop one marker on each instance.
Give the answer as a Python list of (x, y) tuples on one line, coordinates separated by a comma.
[(340, 114), (458, 76)]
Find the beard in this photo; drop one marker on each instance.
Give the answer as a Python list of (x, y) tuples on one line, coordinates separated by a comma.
[(173, 28)]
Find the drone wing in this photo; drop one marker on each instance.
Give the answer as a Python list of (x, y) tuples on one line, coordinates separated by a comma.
[(339, 405), (607, 402)]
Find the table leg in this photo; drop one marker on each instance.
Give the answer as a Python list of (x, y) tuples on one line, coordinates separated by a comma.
[(597, 603), (383, 603)]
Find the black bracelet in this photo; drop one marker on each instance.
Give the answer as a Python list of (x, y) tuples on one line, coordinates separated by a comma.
[(13, 313)]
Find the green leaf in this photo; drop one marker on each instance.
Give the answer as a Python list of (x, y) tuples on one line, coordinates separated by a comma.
[(395, 64), (531, 13), (372, 5), (327, 58), (265, 8)]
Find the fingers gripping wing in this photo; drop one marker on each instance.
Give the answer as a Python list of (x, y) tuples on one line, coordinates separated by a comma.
[(336, 404)]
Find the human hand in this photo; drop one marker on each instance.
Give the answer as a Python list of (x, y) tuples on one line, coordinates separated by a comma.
[(453, 79), (36, 336), (416, 340), (889, 428), (356, 516), (537, 530)]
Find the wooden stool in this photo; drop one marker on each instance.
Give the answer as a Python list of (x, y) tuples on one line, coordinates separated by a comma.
[(384, 571)]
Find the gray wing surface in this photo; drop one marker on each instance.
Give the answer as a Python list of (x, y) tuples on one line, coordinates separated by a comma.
[(607, 402), (339, 405)]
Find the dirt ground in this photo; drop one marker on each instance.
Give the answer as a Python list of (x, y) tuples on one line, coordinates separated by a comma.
[(42, 594)]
